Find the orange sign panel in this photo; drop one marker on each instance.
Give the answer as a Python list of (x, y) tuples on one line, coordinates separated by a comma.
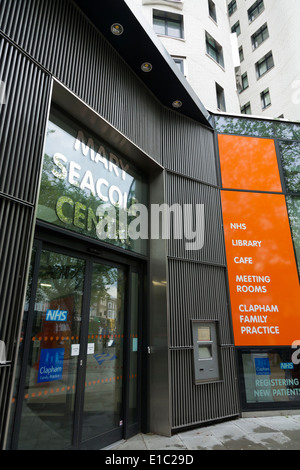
[(249, 163), (263, 277)]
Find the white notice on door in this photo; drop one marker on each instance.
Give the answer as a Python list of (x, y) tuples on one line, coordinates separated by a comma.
[(91, 348), (75, 349)]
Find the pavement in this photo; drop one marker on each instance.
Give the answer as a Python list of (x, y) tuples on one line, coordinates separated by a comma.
[(275, 432)]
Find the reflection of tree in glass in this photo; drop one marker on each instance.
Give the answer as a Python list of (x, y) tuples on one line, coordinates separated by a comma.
[(62, 274), (244, 126), (290, 154), (52, 188), (293, 204)]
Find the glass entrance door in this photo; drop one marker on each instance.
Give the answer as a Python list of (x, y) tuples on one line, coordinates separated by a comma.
[(79, 376), (103, 397), (48, 376)]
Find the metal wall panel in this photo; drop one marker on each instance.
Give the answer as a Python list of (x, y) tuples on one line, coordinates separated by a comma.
[(188, 148), (197, 404), (182, 191), (22, 128), (196, 292), (61, 39)]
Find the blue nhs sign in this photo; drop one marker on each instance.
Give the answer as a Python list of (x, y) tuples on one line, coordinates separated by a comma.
[(56, 315)]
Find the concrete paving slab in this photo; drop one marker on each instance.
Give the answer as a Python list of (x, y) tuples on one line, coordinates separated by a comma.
[(271, 440), (281, 423), (201, 440), (253, 433), (154, 442)]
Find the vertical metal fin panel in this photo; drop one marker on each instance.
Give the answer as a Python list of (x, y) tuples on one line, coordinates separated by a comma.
[(180, 190), (22, 123), (197, 292), (22, 128), (188, 148), (62, 40), (193, 405)]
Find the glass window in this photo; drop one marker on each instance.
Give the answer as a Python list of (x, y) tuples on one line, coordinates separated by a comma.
[(88, 188), (244, 126), (255, 10), (270, 377), (290, 156), (180, 63), (260, 36), (236, 28), (293, 205), (246, 108), (168, 24), (265, 99), (241, 53), (287, 130), (245, 82), (214, 49), (264, 64), (212, 10), (220, 98), (232, 7)]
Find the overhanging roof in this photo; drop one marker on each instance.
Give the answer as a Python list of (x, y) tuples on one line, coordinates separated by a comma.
[(139, 44)]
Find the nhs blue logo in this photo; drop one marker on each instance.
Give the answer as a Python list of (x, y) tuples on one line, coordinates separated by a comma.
[(56, 315)]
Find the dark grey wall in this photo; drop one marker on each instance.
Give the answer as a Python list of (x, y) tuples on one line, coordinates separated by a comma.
[(197, 280), (58, 37), (22, 127)]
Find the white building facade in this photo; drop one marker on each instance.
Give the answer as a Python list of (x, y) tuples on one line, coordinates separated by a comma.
[(268, 34), (215, 42), (197, 35)]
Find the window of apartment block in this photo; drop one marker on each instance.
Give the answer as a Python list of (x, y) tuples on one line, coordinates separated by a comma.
[(245, 82), (255, 10), (232, 7), (168, 24), (265, 98), (179, 61), (212, 10), (220, 98), (264, 64), (241, 53), (236, 28), (246, 108), (260, 36), (214, 49)]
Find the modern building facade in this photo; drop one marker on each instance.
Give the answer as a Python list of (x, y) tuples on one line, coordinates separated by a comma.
[(145, 285)]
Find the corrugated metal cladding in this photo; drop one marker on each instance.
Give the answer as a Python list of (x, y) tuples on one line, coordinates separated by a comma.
[(198, 292), (57, 35), (181, 190), (195, 405), (22, 126), (197, 279), (188, 148)]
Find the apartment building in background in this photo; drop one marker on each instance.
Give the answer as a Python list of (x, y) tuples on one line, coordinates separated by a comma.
[(268, 35), (240, 56), (197, 35)]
